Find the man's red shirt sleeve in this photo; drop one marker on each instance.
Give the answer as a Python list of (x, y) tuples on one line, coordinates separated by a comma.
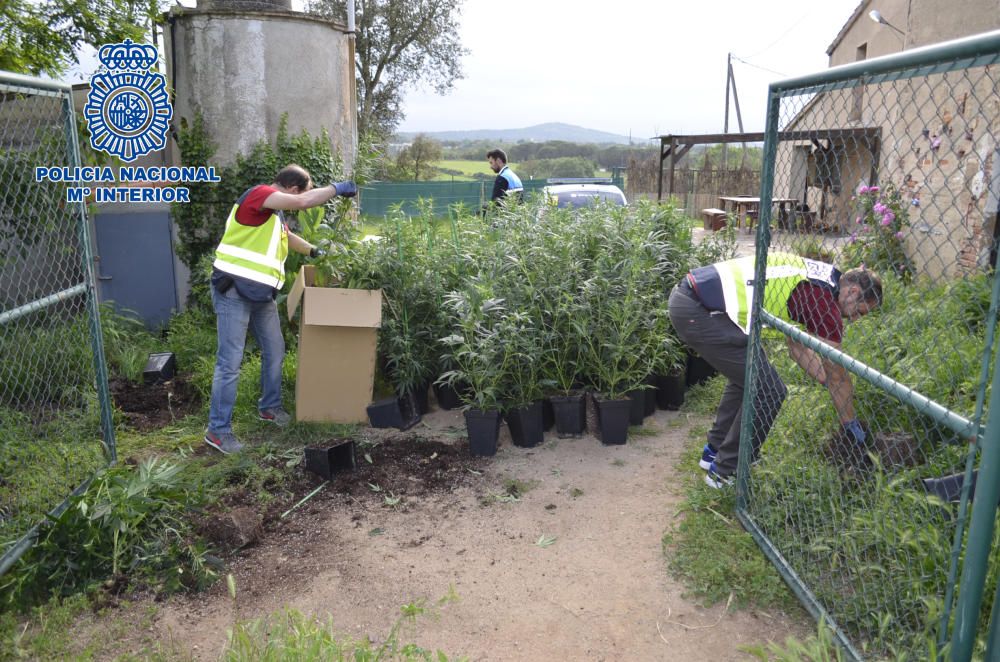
[(251, 208)]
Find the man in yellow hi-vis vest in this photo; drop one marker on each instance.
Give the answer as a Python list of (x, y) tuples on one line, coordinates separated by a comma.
[(249, 270), (710, 310)]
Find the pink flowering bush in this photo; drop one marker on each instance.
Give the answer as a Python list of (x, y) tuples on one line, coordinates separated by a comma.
[(877, 237)]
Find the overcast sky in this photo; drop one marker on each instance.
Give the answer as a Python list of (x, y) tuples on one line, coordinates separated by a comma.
[(631, 67), (626, 66)]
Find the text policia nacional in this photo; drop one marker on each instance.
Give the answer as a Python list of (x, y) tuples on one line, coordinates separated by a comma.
[(106, 186)]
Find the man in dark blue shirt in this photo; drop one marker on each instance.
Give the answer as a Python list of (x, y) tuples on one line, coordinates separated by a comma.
[(507, 183)]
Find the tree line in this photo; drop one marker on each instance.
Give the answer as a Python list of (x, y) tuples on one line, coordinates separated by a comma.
[(554, 158), (602, 155), (400, 44)]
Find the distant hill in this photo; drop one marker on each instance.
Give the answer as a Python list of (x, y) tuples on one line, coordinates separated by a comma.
[(537, 133)]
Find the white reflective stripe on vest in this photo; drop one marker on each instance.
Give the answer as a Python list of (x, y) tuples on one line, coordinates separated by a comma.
[(782, 270), (736, 278), (272, 248), (249, 274), (729, 296), (253, 256)]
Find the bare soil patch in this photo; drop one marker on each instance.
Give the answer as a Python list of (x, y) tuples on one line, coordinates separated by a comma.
[(149, 407), (391, 471), (600, 590), (410, 465)]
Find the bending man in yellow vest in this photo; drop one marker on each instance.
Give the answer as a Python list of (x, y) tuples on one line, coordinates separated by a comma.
[(249, 270), (710, 310)]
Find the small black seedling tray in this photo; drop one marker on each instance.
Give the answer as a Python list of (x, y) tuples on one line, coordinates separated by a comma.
[(331, 457)]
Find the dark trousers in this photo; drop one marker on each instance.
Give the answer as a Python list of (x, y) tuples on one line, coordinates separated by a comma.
[(724, 345)]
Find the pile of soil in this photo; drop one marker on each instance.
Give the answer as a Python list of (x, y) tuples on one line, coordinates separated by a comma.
[(410, 465), (149, 407), (895, 450), (398, 472)]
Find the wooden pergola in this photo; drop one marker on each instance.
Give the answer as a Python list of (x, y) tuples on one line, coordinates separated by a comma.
[(675, 147)]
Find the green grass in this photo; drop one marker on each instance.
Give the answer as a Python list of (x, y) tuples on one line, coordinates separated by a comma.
[(711, 553), (816, 648), (79, 628), (50, 457), (46, 635), (467, 168), (291, 635), (708, 549), (470, 168)]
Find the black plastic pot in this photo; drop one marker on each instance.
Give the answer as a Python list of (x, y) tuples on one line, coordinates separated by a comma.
[(394, 412), (570, 414), (526, 427), (650, 403), (670, 391), (447, 397), (637, 407), (160, 367), (612, 420), (548, 415), (330, 457), (420, 393), (484, 430), (699, 370)]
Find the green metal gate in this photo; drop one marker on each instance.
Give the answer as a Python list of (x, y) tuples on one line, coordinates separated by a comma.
[(891, 165), (56, 427)]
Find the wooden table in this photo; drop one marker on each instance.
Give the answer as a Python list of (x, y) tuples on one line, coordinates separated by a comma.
[(748, 207)]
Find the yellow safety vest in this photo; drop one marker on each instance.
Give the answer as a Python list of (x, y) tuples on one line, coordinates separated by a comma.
[(255, 252), (783, 273)]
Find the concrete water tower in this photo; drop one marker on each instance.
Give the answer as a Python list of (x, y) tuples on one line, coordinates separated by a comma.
[(244, 63)]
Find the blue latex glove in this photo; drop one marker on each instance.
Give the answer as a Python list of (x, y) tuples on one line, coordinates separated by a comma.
[(854, 429), (346, 189), (317, 252)]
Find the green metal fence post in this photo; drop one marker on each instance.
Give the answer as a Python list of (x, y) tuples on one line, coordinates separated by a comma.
[(977, 549), (993, 643), (763, 242), (963, 507), (93, 308)]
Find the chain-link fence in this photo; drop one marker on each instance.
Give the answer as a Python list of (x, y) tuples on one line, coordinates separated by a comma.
[(890, 167), (55, 416)]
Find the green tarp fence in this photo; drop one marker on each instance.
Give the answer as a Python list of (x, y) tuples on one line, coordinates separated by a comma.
[(378, 197)]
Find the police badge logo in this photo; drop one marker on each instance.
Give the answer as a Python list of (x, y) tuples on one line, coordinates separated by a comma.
[(127, 107)]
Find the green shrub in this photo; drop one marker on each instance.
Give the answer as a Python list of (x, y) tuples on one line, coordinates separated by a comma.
[(201, 221), (127, 343), (877, 242), (129, 523), (191, 336)]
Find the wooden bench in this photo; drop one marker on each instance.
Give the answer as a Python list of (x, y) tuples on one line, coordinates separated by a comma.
[(714, 219)]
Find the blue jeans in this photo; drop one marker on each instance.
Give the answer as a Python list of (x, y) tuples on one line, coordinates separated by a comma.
[(234, 314)]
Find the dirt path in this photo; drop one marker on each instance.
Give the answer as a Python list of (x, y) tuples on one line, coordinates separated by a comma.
[(600, 591)]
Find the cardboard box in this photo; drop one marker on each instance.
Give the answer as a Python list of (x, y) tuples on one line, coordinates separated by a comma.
[(338, 330)]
